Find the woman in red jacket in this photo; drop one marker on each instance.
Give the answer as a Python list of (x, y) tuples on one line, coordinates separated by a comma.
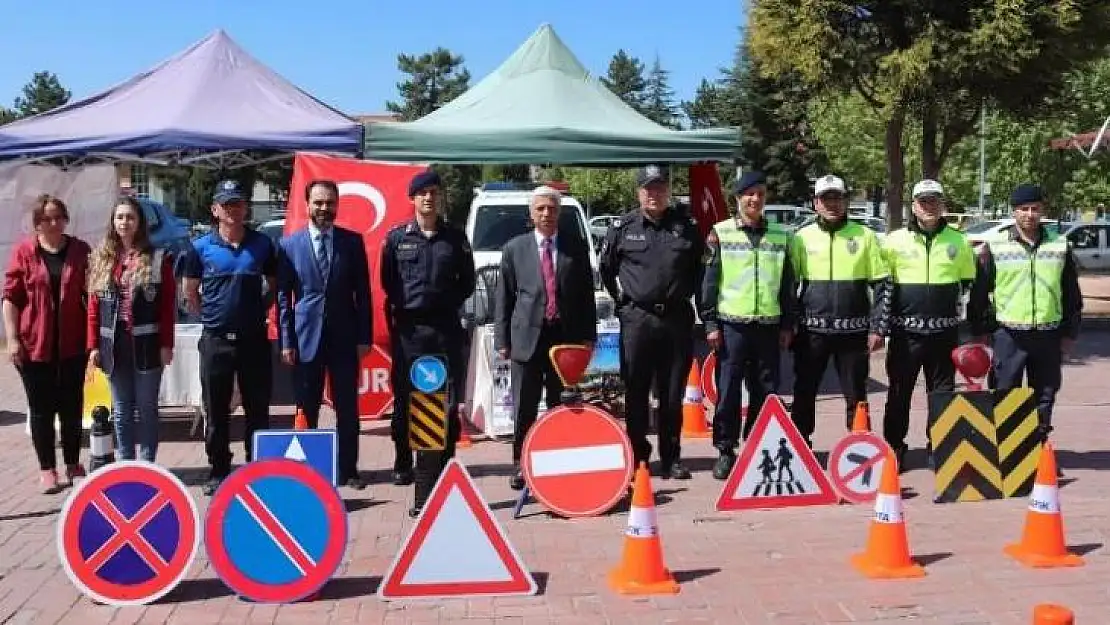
[(45, 322), (132, 300)]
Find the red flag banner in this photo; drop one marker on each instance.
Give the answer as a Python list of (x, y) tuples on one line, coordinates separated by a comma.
[(707, 198)]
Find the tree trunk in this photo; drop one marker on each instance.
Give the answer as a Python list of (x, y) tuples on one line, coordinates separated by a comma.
[(895, 168), (930, 161)]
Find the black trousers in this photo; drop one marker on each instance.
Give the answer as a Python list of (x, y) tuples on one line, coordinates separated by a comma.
[(55, 390), (655, 348), (1035, 355), (906, 355), (410, 340), (749, 353), (812, 352), (337, 359), (223, 360), (529, 379)]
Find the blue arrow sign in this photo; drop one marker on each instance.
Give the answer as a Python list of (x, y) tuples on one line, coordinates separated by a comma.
[(316, 448), (428, 374)]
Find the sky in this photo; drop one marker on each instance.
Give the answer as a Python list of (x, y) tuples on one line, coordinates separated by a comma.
[(344, 52)]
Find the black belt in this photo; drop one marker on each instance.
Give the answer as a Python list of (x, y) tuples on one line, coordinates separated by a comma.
[(661, 309), (229, 335)]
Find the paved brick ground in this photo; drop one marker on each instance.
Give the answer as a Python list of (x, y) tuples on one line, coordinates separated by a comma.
[(774, 567)]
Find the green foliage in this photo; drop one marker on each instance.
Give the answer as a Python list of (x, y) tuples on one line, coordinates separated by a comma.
[(659, 104), (7, 115), (626, 79), (934, 62), (601, 191), (43, 93), (434, 79)]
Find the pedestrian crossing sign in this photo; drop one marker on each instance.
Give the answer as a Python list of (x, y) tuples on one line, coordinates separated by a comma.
[(776, 469)]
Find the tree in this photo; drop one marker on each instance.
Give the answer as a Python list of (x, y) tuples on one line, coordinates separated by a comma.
[(42, 93), (626, 79), (935, 62), (7, 115), (659, 104), (434, 79), (706, 110)]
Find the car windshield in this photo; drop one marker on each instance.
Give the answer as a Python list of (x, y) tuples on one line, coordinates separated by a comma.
[(496, 224), (982, 226)]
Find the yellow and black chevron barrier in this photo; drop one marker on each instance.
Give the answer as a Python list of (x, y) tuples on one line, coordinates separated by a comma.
[(984, 446), (965, 452), (1019, 447), (427, 421)]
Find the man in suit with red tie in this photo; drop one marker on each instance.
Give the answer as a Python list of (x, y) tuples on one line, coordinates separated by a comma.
[(545, 297), (324, 315)]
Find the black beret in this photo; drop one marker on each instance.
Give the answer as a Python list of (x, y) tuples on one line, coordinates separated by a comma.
[(423, 180), (747, 181), (1025, 194)]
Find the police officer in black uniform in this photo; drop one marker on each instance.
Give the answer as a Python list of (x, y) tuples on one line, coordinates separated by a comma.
[(427, 272), (650, 263)]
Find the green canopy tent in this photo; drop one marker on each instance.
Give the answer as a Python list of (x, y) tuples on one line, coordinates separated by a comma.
[(542, 106)]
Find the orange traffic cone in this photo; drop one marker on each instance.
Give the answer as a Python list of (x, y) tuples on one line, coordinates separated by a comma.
[(693, 411), (888, 552), (1042, 542), (299, 421), (464, 441), (1052, 614), (641, 571), (861, 422)]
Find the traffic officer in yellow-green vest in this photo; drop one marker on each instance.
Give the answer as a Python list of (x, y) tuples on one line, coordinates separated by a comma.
[(748, 311), (844, 293), (1026, 297), (931, 266)]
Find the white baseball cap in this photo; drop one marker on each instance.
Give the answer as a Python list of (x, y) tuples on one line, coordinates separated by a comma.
[(828, 183), (927, 187)]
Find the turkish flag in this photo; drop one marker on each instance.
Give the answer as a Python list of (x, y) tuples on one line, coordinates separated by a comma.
[(373, 197), (707, 198)]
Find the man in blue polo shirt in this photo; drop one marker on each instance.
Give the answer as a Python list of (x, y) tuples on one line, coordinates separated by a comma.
[(223, 280)]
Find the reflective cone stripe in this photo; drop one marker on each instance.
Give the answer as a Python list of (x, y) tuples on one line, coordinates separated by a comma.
[(887, 555), (694, 424), (641, 570), (1042, 541)]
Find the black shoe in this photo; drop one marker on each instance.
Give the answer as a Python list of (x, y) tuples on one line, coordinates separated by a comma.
[(516, 482), (354, 481), (723, 468), (677, 471), (403, 478)]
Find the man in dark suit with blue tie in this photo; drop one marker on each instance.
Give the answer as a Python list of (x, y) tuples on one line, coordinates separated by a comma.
[(324, 307), (545, 297)]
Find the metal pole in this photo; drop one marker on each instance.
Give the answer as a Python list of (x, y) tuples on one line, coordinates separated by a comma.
[(983, 158)]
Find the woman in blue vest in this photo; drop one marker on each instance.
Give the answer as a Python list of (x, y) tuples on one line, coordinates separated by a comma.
[(132, 300)]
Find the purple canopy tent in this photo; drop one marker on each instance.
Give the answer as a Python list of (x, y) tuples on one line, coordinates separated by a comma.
[(213, 105)]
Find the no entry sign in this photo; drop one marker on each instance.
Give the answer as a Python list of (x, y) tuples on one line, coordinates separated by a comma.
[(128, 533), (577, 461), (855, 465), (276, 531)]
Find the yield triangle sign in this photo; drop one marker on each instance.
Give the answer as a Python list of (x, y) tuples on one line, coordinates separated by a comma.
[(776, 469), (456, 548)]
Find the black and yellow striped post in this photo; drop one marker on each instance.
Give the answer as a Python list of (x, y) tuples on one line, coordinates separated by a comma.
[(427, 421), (1019, 440), (965, 450)]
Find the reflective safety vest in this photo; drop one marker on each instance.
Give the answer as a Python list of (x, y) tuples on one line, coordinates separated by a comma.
[(750, 275), (836, 270), (145, 314), (928, 274), (1027, 291)]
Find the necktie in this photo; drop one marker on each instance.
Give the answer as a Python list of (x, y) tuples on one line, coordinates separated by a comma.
[(322, 260), (552, 309)]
